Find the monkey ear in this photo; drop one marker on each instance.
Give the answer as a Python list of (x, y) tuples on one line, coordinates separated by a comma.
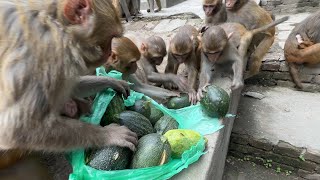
[(144, 47), (77, 11), (114, 58), (230, 35), (199, 38)]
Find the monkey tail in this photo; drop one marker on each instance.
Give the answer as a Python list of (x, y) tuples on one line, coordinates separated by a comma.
[(294, 74), (266, 27)]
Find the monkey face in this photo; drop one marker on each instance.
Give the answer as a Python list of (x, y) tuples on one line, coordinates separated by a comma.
[(157, 60), (181, 58), (131, 68), (210, 7), (231, 4)]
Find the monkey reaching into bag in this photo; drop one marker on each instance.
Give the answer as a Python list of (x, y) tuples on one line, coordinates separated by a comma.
[(124, 58), (226, 45), (46, 49)]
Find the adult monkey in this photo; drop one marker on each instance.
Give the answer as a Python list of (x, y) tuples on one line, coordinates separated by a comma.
[(215, 12), (227, 45), (184, 48), (303, 46), (252, 16), (45, 47), (153, 50), (124, 58)]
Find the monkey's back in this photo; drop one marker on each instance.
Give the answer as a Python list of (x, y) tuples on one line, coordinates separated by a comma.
[(36, 62), (251, 19)]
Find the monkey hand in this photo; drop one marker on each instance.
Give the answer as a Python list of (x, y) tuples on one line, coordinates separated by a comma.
[(181, 84), (193, 97), (200, 90), (236, 85), (120, 86), (120, 136), (70, 109)]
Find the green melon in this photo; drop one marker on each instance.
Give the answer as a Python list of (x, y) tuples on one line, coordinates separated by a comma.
[(153, 150), (215, 102)]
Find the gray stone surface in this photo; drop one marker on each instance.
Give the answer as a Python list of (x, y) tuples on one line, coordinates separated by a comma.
[(237, 169), (169, 25), (284, 114)]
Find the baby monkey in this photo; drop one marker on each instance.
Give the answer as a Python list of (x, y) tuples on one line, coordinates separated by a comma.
[(124, 57)]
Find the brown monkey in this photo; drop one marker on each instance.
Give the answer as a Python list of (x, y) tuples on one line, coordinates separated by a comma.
[(215, 12), (220, 50), (124, 57), (184, 48), (151, 6), (303, 46), (153, 50), (46, 48), (252, 16)]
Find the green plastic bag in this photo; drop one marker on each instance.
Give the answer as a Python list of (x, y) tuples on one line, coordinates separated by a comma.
[(188, 118)]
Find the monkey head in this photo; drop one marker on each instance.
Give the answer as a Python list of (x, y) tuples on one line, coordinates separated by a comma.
[(181, 47), (91, 22), (233, 5), (124, 56), (211, 7), (154, 50), (213, 41)]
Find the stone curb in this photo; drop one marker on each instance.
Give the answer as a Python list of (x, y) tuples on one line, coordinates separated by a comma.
[(283, 155)]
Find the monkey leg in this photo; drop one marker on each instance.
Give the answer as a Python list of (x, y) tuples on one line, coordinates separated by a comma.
[(9, 157), (309, 55), (258, 54), (28, 168)]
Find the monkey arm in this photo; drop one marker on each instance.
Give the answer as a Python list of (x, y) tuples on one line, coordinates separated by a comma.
[(192, 71), (149, 90), (57, 134), (90, 85), (237, 67), (205, 71)]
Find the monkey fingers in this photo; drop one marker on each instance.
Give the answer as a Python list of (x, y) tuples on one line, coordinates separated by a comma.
[(70, 109), (121, 136), (193, 97), (200, 90), (120, 86), (181, 84)]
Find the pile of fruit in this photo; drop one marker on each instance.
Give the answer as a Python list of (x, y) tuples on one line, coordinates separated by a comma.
[(159, 136)]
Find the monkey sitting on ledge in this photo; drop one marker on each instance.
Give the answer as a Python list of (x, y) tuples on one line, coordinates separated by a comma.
[(124, 57)]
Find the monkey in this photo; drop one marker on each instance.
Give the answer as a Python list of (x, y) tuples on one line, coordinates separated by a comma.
[(128, 8), (124, 57), (153, 50), (47, 50), (215, 12), (252, 16), (151, 6), (303, 46), (184, 48), (227, 45)]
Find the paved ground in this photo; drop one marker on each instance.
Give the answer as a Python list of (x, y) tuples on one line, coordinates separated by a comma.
[(238, 169), (284, 114)]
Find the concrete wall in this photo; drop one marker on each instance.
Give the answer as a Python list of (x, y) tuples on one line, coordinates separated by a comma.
[(290, 6)]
